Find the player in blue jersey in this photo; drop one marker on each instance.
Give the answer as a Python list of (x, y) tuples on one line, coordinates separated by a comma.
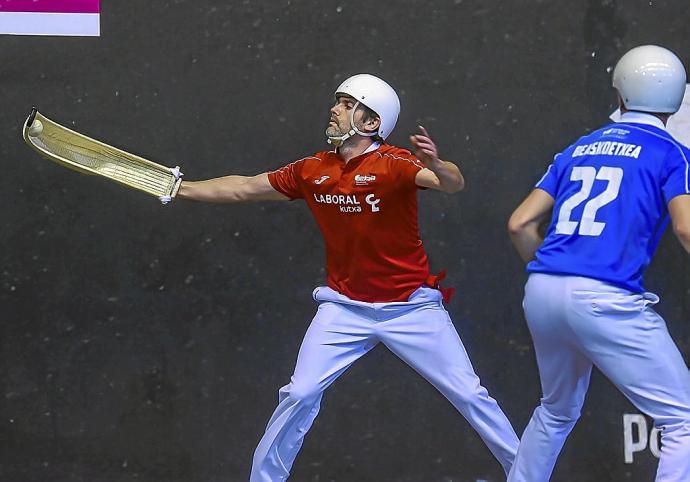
[(610, 195)]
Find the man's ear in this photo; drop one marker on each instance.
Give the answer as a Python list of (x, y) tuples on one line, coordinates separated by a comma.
[(373, 124)]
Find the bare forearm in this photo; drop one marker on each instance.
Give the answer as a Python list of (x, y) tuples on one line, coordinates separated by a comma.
[(523, 224), (526, 241), (449, 176), (679, 209), (230, 189), (222, 189)]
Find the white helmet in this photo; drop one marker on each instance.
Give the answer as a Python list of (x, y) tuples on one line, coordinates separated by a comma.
[(378, 96), (650, 79)]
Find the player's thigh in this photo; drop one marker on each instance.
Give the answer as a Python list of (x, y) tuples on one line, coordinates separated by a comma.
[(564, 370), (427, 340), (630, 343), (336, 338), (564, 374)]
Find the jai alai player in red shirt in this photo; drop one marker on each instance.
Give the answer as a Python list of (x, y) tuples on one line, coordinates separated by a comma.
[(363, 195)]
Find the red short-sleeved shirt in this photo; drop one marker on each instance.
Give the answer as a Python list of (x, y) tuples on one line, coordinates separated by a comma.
[(367, 212)]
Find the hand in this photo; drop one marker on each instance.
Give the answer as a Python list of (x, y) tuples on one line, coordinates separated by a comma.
[(425, 149), (177, 174)]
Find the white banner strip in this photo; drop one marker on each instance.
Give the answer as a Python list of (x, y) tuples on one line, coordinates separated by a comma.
[(33, 23)]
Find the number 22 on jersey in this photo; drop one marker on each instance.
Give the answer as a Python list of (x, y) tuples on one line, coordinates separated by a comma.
[(587, 175)]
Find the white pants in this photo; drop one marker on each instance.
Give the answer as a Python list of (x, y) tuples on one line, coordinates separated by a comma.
[(418, 331), (579, 322)]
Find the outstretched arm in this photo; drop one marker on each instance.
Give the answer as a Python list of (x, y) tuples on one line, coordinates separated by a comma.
[(523, 225), (231, 189), (440, 175), (679, 209)]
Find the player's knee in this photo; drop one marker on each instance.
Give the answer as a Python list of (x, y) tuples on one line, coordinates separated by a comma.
[(469, 398), (560, 415), (468, 395), (303, 392)]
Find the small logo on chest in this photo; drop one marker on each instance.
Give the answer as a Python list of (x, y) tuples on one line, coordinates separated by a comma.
[(364, 180), (321, 179)]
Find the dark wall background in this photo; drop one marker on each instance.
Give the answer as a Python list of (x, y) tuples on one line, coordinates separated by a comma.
[(147, 343)]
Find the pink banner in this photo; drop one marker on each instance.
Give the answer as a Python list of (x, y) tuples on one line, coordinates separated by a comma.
[(50, 6)]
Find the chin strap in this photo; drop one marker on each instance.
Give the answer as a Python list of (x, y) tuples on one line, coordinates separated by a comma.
[(337, 141)]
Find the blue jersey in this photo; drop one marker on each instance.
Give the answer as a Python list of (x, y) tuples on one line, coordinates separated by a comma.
[(611, 190)]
